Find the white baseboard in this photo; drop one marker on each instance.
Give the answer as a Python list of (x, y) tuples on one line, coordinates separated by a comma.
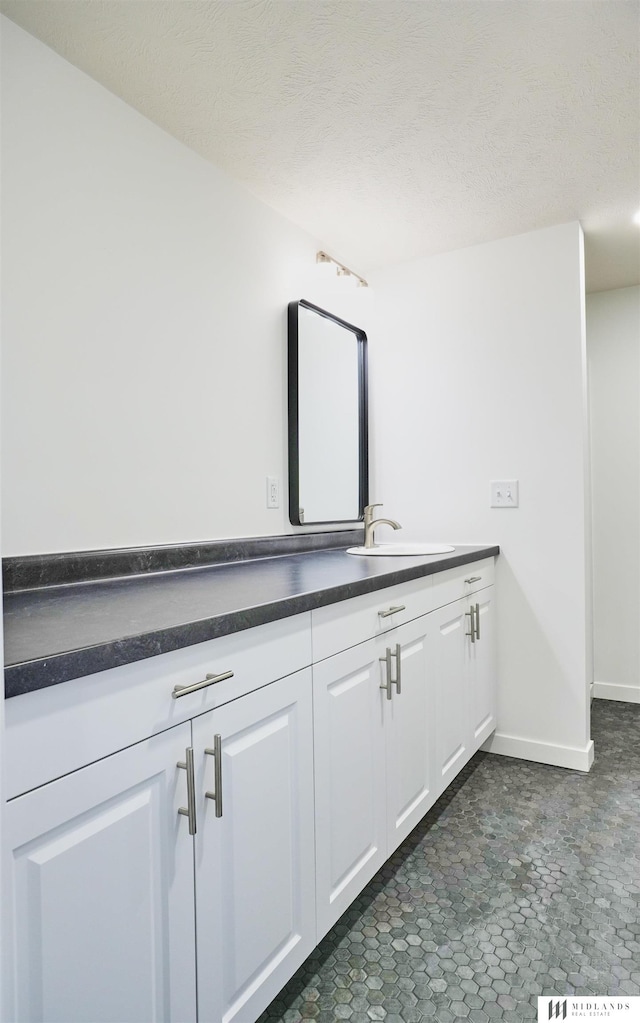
[(541, 752), (611, 691)]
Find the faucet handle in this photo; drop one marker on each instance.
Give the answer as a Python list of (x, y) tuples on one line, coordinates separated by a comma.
[(368, 511)]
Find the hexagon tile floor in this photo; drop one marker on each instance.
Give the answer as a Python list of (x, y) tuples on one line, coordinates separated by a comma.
[(522, 880)]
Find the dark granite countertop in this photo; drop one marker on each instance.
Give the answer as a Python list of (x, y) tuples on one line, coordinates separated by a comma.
[(53, 633)]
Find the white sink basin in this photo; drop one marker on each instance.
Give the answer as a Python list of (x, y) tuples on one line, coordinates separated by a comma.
[(402, 550)]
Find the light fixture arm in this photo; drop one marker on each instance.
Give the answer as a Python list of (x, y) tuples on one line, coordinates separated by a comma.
[(341, 269)]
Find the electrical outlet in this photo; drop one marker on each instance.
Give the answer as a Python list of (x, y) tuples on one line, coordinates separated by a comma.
[(273, 492), (504, 493)]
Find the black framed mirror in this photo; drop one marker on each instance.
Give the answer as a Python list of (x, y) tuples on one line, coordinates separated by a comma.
[(328, 431)]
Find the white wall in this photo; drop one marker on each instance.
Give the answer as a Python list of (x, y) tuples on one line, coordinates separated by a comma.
[(143, 325), (144, 376), (477, 374), (613, 347)]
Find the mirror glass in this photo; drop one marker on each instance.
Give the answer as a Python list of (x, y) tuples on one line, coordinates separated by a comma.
[(328, 462)]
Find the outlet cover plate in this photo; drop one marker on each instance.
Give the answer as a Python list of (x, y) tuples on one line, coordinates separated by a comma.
[(504, 493), (273, 492)]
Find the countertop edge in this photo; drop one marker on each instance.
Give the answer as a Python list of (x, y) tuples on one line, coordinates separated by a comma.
[(30, 676)]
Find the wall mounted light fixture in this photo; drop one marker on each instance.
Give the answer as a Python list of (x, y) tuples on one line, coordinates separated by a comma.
[(342, 271)]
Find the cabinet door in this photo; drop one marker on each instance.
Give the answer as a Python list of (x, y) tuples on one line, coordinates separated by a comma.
[(349, 742), (453, 741), (101, 868), (255, 889), (483, 669), (409, 729)]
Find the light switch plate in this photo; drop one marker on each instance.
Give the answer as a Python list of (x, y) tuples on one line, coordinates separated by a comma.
[(504, 493)]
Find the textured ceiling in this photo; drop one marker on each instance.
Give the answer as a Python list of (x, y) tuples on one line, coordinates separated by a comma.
[(389, 129)]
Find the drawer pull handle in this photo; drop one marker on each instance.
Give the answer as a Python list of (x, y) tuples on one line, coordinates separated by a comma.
[(474, 579), (209, 680), (392, 610), (190, 809), (387, 685), (397, 681), (470, 614), (216, 753), (477, 621)]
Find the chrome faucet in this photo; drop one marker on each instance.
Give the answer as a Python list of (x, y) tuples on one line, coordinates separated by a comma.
[(370, 524)]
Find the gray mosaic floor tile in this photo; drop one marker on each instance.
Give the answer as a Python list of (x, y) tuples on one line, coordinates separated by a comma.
[(522, 880)]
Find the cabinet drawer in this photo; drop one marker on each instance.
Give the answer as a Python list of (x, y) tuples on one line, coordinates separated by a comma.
[(57, 730), (339, 626), (460, 582)]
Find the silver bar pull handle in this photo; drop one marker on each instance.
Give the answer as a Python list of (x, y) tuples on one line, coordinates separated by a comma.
[(392, 610), (470, 614), (477, 621), (474, 579), (397, 681), (208, 680), (388, 683), (190, 809), (216, 753)]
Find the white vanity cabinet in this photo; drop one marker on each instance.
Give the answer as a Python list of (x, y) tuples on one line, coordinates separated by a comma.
[(410, 727), (482, 668), (175, 854), (464, 661), (124, 878), (373, 748), (100, 863), (255, 859), (451, 704), (351, 776), (396, 716)]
